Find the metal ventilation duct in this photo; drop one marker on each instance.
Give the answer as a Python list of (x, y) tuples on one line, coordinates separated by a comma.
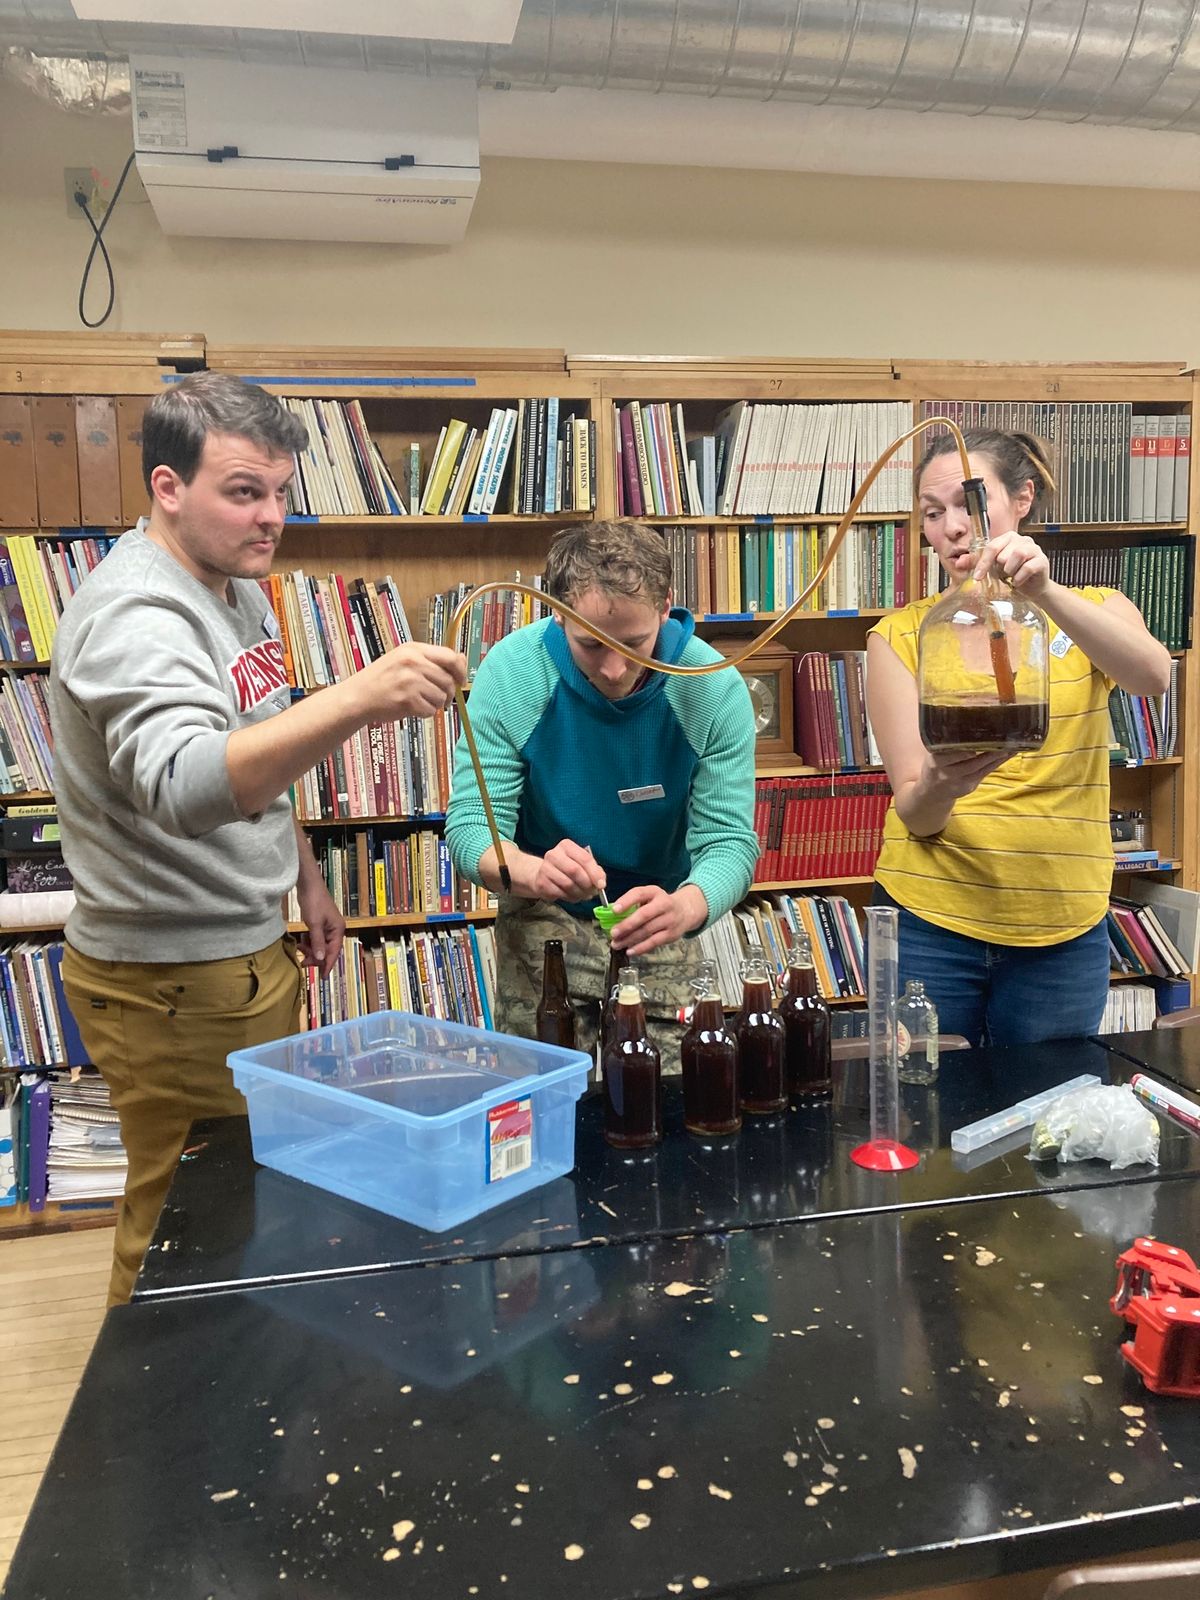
[(1130, 62), (1107, 61)]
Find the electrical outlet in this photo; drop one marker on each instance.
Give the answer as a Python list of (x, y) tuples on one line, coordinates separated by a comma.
[(84, 181)]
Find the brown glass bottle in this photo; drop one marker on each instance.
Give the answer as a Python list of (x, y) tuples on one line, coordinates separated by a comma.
[(608, 998), (762, 1044), (708, 1053), (632, 1073), (806, 1025), (555, 1018)]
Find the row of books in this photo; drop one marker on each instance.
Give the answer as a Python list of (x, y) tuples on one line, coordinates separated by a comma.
[(819, 829), (1156, 574), (332, 627), (490, 619), (1112, 462), (1144, 727), (767, 925), (1139, 944), (830, 711), (389, 769), (37, 578), (719, 571), (374, 876), (342, 473), (75, 461), (26, 742), (60, 1140), (1129, 1008), (36, 1025), (72, 461), (762, 459), (531, 459), (444, 972)]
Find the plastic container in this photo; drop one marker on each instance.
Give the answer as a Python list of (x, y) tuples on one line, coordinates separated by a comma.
[(1023, 1115), (426, 1120)]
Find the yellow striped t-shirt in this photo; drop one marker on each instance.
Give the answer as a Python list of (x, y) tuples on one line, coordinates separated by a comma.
[(1026, 858)]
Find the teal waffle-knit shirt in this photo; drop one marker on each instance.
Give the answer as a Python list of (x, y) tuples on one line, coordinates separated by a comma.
[(559, 758)]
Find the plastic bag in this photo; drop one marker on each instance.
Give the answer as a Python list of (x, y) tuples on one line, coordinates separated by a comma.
[(1105, 1122)]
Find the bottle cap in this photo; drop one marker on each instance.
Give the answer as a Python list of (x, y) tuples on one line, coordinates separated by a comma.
[(629, 991), (754, 968)]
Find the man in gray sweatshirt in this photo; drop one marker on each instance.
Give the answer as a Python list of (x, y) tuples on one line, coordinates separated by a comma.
[(174, 748)]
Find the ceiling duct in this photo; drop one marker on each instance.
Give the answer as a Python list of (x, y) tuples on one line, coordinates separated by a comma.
[(1098, 61)]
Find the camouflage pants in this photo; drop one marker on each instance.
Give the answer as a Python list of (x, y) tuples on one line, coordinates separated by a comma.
[(522, 928)]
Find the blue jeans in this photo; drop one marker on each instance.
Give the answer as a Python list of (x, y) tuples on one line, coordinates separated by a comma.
[(1003, 993)]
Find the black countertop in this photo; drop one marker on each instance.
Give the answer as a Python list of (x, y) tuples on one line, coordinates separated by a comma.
[(1172, 1054), (229, 1223), (845, 1407)]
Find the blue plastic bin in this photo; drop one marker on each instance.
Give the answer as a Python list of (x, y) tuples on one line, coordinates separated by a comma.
[(430, 1121)]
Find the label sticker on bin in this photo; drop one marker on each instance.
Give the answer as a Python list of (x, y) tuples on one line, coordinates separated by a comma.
[(510, 1140)]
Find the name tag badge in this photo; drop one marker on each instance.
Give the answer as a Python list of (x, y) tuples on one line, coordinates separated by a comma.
[(648, 791), (1060, 644)]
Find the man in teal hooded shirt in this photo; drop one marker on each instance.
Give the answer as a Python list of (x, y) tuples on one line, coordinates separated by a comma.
[(603, 775)]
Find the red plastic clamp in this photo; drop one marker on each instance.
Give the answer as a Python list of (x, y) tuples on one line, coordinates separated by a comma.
[(1158, 1294)]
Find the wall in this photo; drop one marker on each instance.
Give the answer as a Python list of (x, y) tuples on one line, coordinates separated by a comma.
[(596, 257)]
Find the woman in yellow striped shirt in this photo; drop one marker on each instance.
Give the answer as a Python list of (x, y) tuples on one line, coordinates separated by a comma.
[(1001, 865)]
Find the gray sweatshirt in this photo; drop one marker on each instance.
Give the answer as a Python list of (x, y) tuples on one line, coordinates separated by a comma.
[(150, 674)]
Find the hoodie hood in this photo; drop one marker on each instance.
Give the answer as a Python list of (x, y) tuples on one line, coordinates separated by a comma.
[(672, 640)]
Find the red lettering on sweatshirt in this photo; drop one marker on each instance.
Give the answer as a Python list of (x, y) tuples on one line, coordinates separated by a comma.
[(258, 673)]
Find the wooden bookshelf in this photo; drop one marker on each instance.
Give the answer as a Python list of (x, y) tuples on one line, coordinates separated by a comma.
[(408, 395)]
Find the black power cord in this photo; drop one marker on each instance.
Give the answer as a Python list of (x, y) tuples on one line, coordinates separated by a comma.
[(98, 244)]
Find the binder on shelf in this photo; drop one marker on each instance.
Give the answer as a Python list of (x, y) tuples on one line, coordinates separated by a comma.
[(37, 1100), (73, 1052), (18, 475), (57, 464), (99, 461), (10, 1134), (135, 498)]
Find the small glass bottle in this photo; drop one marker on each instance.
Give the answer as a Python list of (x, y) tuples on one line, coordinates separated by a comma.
[(917, 1034), (632, 1072), (708, 1053), (762, 1043), (555, 1018), (806, 1023)]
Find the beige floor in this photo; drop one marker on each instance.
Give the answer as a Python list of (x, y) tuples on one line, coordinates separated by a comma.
[(52, 1292)]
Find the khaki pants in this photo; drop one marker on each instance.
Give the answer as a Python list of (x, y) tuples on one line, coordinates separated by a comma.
[(523, 926), (159, 1035)]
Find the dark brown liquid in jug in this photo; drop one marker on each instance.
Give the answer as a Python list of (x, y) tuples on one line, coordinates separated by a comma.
[(985, 725)]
